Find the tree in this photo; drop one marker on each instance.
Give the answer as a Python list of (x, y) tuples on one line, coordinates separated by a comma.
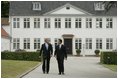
[(109, 5), (4, 9)]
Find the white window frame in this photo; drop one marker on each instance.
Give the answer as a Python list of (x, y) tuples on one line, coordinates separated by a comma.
[(67, 22), (36, 6), (100, 6), (16, 43), (88, 43), (37, 43), (99, 23), (26, 22), (36, 22), (98, 43), (78, 23), (57, 22), (109, 22), (26, 43), (47, 23), (78, 43), (109, 43), (16, 22), (88, 22)]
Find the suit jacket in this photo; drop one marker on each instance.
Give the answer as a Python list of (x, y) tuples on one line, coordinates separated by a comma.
[(46, 52), (60, 53)]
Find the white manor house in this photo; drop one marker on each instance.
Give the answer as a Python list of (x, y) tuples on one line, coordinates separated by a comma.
[(81, 25)]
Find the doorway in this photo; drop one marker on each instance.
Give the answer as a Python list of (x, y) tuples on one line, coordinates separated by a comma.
[(68, 44)]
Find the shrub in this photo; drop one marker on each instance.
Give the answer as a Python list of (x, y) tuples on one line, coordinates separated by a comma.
[(6, 51), (97, 52), (78, 51), (37, 50), (20, 50), (28, 56), (108, 57)]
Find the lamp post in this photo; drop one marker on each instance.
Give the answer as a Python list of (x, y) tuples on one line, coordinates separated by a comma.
[(83, 50)]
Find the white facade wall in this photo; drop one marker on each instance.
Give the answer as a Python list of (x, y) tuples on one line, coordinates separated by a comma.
[(70, 11), (5, 44), (57, 33)]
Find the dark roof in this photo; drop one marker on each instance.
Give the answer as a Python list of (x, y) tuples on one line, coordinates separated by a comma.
[(4, 34), (24, 8), (4, 21)]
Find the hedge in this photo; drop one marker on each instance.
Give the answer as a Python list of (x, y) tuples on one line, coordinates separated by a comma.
[(28, 56), (109, 57)]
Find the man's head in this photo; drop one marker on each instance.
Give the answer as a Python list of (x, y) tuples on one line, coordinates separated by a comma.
[(59, 41), (47, 40)]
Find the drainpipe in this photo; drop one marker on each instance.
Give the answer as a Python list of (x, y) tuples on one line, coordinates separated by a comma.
[(83, 50), (10, 32)]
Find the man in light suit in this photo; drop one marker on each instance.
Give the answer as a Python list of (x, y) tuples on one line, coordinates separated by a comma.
[(46, 51), (60, 54)]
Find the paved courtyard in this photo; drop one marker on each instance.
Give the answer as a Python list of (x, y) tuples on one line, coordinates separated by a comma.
[(75, 67)]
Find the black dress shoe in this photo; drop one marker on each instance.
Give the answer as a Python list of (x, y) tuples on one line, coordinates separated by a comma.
[(59, 73), (63, 73)]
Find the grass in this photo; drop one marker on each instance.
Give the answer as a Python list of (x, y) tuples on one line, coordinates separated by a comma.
[(14, 68), (111, 67)]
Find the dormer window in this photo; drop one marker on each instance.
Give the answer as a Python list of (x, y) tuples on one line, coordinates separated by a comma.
[(36, 6), (67, 7), (99, 6)]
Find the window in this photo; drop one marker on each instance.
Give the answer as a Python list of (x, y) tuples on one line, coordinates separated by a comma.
[(47, 22), (26, 22), (68, 8), (78, 23), (109, 43), (36, 6), (36, 43), (88, 43), (88, 22), (57, 22), (99, 43), (16, 43), (26, 43), (36, 22), (67, 22), (98, 22), (78, 43), (16, 22), (99, 6), (109, 23)]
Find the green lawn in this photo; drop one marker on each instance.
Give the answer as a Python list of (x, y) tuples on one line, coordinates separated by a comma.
[(111, 67), (13, 68)]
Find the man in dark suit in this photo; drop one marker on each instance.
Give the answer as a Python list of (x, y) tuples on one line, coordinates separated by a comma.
[(60, 54), (46, 52)]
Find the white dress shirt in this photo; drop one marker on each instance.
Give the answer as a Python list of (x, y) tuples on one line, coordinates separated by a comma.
[(60, 46), (46, 46)]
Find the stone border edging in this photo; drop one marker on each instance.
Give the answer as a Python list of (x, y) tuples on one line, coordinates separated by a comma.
[(25, 73)]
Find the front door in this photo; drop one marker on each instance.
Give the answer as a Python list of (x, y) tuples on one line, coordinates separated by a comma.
[(68, 44)]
